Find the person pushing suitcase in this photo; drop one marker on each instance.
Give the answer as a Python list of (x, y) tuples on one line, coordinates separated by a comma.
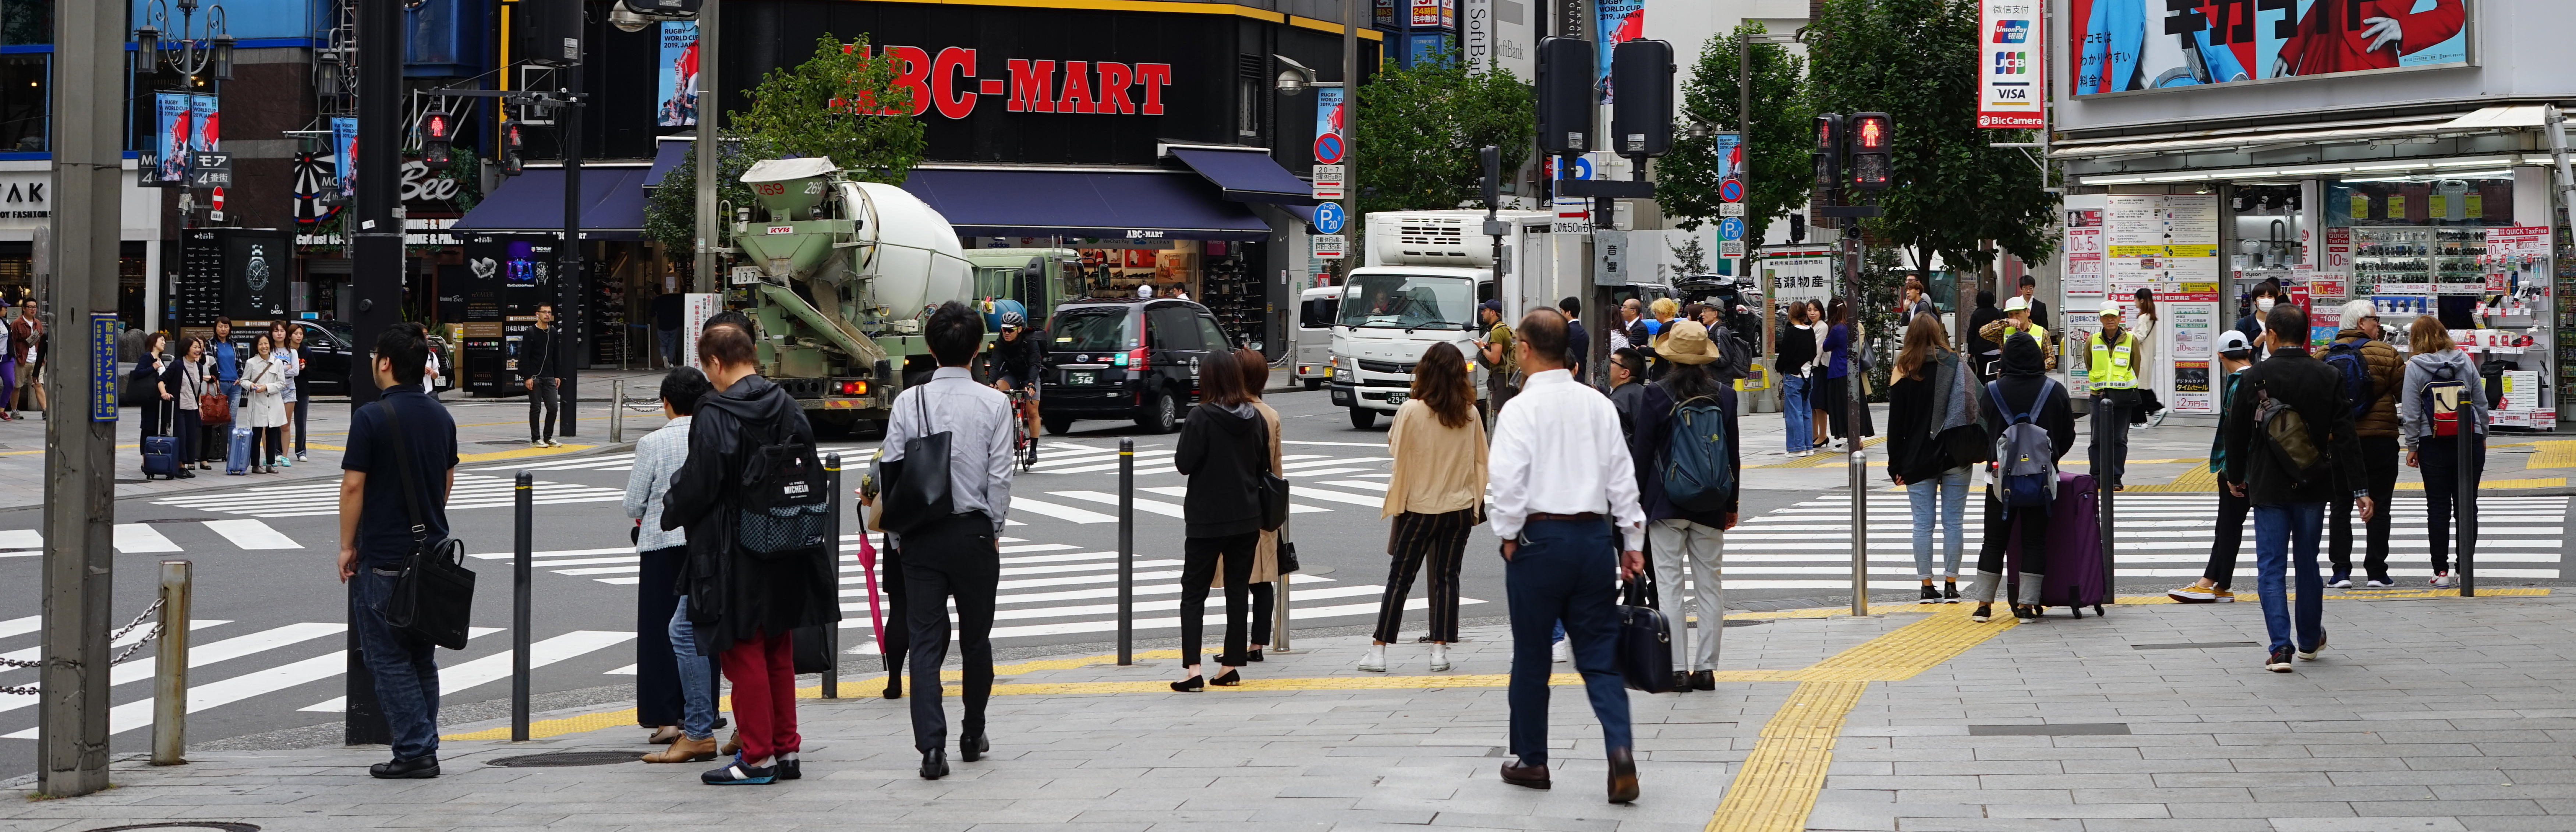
[(2027, 416)]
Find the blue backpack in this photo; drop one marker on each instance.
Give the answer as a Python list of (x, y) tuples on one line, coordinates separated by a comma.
[(2348, 362), (2025, 459), (1696, 471)]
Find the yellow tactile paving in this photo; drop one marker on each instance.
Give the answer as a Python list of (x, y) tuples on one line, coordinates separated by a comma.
[(2195, 478), (2553, 454), (1777, 786)]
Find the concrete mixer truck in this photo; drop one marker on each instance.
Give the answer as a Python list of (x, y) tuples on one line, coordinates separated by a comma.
[(837, 276)]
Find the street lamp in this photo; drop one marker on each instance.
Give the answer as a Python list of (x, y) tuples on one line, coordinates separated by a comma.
[(1295, 78), (190, 53)]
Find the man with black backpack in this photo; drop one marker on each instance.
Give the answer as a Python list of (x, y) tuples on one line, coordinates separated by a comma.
[(756, 569), (2031, 426), (2372, 373), (2291, 449), (399, 467)]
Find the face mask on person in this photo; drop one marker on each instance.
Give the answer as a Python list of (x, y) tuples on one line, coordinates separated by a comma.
[(2263, 304)]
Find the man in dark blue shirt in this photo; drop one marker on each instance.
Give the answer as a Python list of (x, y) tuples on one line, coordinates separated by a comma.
[(376, 537)]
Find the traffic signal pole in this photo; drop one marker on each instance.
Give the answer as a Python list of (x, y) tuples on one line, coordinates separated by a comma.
[(80, 455), (710, 102), (376, 255)]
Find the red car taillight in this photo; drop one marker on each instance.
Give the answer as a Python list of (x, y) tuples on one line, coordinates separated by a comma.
[(1136, 362), (854, 388)]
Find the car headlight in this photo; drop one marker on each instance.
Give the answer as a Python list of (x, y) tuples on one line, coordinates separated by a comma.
[(1340, 374)]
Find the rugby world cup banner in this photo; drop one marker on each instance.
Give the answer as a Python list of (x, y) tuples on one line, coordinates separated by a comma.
[(2132, 45)]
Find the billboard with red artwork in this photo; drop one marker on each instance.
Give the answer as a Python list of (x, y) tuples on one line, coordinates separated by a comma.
[(2133, 45)]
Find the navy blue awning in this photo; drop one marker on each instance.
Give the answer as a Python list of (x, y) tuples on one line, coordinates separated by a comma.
[(612, 204), (667, 153), (1043, 203), (1247, 175)]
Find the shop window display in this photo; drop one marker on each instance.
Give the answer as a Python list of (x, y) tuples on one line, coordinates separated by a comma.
[(2450, 246)]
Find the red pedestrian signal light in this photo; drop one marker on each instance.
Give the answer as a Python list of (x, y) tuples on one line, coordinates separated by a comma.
[(437, 133), (1829, 151), (512, 151), (1872, 169)]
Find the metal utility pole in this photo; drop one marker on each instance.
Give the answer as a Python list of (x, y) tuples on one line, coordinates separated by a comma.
[(376, 272), (1351, 10), (80, 454), (710, 102), (572, 279)]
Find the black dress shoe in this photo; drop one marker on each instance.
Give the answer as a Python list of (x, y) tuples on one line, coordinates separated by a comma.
[(934, 764), (1229, 679), (789, 767), (1681, 681), (1252, 655), (1703, 680), (1533, 777), (972, 748), (1623, 776), (894, 687), (422, 767), (1193, 684)]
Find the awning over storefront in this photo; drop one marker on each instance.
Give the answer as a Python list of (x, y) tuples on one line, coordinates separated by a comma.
[(1140, 205), (612, 204), (667, 153), (1247, 175), (2279, 137)]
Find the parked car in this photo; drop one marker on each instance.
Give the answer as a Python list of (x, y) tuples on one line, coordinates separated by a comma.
[(329, 346), (1127, 358)]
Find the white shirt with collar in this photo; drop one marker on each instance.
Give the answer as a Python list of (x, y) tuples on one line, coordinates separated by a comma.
[(1557, 449), (978, 421)]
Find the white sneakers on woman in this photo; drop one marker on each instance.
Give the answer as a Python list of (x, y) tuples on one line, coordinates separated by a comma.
[(1439, 657), (1375, 660)]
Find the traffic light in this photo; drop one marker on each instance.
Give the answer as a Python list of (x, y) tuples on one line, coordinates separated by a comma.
[(513, 152), (1641, 97), (1797, 228), (1491, 157), (1829, 151), (437, 131), (1871, 168), (549, 32), (1565, 97)]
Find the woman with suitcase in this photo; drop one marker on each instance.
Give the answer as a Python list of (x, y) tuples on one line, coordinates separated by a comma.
[(2024, 389), (263, 384), (182, 381), (143, 391)]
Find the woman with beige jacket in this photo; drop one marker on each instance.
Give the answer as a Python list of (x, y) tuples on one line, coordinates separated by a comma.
[(1437, 496), (1265, 555)]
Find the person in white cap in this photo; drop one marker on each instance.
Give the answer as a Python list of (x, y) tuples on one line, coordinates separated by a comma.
[(2016, 321), (2235, 353), (2111, 371)]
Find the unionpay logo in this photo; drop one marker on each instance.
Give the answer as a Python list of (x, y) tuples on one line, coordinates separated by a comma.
[(2012, 31), (2012, 63)]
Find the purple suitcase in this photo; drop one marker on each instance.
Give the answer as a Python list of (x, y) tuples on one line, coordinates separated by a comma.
[(2076, 577)]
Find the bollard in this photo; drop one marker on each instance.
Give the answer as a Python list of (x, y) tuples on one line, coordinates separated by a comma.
[(2109, 514), (1126, 552), (832, 631), (1859, 470), (170, 668), (2466, 506), (523, 590), (617, 410), (1279, 609)]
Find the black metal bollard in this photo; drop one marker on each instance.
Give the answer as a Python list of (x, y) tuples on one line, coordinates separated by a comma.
[(1126, 552), (832, 631), (2466, 507), (523, 591)]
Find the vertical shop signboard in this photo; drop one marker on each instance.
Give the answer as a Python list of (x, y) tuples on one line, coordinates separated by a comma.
[(679, 87), (2008, 61), (344, 157), (695, 309), (103, 327), (2083, 274)]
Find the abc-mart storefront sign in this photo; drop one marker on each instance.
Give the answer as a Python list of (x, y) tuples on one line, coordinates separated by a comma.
[(952, 83)]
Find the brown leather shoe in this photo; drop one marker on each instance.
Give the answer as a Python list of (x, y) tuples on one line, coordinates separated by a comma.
[(732, 743), (1534, 777), (1623, 775), (685, 750)]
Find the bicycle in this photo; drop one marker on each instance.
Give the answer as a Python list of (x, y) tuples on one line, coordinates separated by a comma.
[(1023, 443)]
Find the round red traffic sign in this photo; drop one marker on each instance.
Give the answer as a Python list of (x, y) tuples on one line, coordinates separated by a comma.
[(1328, 149), (1731, 190)]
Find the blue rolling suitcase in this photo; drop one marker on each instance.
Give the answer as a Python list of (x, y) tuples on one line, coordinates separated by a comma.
[(160, 455), (237, 456)]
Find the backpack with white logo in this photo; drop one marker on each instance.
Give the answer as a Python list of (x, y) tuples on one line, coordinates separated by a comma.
[(2025, 458), (2354, 369), (1695, 467)]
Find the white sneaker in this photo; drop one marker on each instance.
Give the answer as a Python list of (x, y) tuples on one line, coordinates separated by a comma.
[(1564, 652), (1439, 658), (2340, 583), (2441, 579), (2379, 582), (1375, 660)]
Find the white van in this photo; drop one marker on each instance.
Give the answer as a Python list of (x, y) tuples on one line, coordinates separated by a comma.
[(1424, 275), (1316, 309)]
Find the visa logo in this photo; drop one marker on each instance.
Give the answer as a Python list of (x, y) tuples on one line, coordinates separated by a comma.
[(2012, 31)]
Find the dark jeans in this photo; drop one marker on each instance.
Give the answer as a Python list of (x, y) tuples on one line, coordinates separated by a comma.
[(541, 427), (2439, 457), (1562, 572), (954, 558), (274, 439), (2380, 463), (2230, 539), (658, 698), (669, 340), (2109, 450), (406, 669), (2285, 543), (1199, 559)]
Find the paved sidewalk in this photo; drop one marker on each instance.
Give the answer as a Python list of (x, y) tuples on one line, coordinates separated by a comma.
[(487, 429), (2425, 714)]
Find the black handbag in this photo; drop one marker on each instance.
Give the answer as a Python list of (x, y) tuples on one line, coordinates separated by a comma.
[(433, 598), (1645, 643), (812, 653), (1273, 488), (917, 494)]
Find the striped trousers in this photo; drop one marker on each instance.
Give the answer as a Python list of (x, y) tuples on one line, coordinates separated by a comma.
[(1416, 540)]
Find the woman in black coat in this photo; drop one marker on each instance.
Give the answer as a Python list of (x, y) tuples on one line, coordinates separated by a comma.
[(1224, 450)]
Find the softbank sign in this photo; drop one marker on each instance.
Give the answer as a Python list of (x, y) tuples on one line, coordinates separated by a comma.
[(952, 84)]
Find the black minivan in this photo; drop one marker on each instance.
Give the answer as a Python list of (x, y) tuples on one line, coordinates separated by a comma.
[(1126, 358)]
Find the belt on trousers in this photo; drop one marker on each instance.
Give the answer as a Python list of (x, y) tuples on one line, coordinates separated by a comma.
[(390, 573), (1586, 517)]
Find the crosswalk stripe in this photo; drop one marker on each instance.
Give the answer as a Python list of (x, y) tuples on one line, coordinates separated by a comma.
[(1336, 496), (129, 639), (211, 695), (137, 538), (21, 626), (1058, 511), (497, 666), (1142, 504), (252, 534), (22, 539), (1181, 491)]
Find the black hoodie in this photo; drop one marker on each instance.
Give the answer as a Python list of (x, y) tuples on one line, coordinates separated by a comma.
[(2024, 373), (1224, 454), (733, 594)]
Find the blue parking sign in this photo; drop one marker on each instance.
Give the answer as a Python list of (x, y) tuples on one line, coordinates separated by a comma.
[(1329, 218), (1731, 228)]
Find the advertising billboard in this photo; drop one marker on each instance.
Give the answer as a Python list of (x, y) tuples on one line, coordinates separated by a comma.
[(1621, 21), (174, 131), (2008, 65), (2132, 45), (679, 88)]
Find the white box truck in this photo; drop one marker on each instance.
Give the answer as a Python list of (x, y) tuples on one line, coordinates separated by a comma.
[(1422, 276)]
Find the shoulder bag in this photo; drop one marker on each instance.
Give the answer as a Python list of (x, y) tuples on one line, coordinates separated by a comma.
[(785, 505), (433, 598), (1645, 642), (213, 407), (916, 491), (1273, 487)]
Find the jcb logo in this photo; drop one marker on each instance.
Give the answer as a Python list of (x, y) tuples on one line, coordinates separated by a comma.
[(2012, 63)]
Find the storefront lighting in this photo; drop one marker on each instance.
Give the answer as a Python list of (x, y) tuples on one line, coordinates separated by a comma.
[(2317, 169), (2181, 177), (2462, 163), (2399, 166), (2113, 180), (2498, 173)]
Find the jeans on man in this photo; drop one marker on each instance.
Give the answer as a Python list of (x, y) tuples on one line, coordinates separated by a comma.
[(542, 397), (2380, 463), (1952, 491), (1562, 572), (2109, 450), (670, 343), (2285, 539), (762, 668), (405, 668), (952, 558), (697, 676), (1795, 410)]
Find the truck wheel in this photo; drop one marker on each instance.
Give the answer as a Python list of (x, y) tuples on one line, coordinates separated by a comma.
[(1314, 384), (1162, 415), (1363, 418), (1056, 425)]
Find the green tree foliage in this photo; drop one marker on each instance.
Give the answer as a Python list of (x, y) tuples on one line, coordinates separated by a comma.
[(842, 103), (1420, 128), (1911, 60), (671, 210), (1686, 179)]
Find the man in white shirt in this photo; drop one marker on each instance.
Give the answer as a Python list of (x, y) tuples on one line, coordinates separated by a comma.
[(1565, 500)]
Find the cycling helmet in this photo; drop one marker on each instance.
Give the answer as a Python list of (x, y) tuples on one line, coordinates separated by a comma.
[(1012, 319)]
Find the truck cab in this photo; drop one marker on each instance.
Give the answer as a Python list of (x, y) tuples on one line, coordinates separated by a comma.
[(1424, 275)]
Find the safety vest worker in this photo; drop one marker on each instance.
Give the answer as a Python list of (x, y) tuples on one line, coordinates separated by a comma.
[(2112, 364)]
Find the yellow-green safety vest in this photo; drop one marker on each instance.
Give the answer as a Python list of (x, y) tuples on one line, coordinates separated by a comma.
[(2111, 364)]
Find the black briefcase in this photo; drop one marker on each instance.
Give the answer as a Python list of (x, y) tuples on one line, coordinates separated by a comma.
[(1645, 643), (433, 598)]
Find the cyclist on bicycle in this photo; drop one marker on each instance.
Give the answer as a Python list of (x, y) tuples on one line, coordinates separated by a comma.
[(1016, 365)]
